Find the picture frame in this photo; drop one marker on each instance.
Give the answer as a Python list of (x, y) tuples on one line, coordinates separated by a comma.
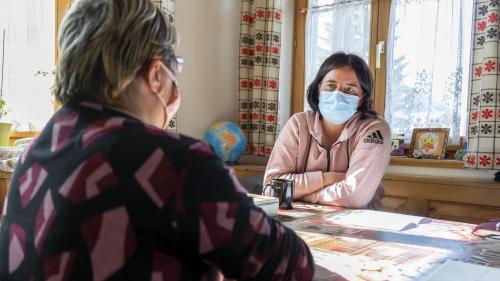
[(397, 147), (429, 143)]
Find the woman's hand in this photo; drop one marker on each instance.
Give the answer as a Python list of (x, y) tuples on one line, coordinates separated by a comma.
[(330, 178)]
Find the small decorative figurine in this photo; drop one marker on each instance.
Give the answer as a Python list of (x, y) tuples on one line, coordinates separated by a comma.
[(459, 155), (417, 155)]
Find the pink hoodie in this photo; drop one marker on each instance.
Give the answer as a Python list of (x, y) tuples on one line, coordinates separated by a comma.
[(362, 152)]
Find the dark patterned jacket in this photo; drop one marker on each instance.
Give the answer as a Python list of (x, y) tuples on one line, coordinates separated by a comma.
[(99, 195)]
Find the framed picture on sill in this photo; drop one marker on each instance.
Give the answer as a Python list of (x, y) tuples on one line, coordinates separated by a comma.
[(429, 143)]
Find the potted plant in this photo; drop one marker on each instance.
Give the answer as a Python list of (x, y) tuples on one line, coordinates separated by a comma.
[(4, 126)]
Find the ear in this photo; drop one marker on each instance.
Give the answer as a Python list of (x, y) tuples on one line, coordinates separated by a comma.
[(155, 76)]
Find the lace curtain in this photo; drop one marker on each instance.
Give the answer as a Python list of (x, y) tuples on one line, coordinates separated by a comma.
[(29, 27), (428, 58), (333, 26)]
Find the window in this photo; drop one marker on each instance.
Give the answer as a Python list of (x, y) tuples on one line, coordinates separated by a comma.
[(428, 56), (422, 77), (336, 26), (29, 27)]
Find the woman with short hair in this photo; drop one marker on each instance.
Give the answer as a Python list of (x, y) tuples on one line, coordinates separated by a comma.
[(105, 193)]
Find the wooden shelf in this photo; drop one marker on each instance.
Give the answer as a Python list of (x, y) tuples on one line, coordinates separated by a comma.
[(15, 135), (403, 161)]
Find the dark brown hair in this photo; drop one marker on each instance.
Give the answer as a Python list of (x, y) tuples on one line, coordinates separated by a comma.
[(363, 73)]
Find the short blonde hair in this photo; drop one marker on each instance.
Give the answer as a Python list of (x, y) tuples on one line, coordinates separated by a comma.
[(105, 44)]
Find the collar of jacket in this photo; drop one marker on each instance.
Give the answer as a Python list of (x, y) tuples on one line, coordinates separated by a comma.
[(315, 126)]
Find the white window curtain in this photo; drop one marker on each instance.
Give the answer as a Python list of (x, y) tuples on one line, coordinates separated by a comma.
[(28, 61), (334, 26), (428, 65)]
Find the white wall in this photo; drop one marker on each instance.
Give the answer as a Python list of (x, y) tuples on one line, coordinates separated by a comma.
[(209, 42), (208, 32)]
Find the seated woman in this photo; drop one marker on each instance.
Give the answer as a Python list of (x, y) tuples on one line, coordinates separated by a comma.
[(337, 153), (105, 193)]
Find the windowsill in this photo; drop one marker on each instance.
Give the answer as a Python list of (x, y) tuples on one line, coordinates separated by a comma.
[(453, 176), (15, 135), (395, 161), (23, 134), (403, 161), (398, 165)]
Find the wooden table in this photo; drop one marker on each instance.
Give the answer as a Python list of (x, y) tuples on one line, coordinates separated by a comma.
[(356, 253)]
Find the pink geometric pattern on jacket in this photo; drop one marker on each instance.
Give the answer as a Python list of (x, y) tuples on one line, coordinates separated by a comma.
[(201, 149), (30, 182), (155, 175), (92, 177), (216, 225), (110, 240), (44, 219), (58, 267), (239, 187), (101, 128), (63, 127), (17, 246)]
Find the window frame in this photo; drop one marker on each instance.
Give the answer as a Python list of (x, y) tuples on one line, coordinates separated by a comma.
[(379, 23), (379, 33), (61, 7), (380, 15)]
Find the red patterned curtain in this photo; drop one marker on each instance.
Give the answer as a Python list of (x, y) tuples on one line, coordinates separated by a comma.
[(260, 49), (484, 99)]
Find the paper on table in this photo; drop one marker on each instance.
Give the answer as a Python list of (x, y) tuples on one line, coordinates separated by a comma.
[(333, 266), (377, 219), (457, 270)]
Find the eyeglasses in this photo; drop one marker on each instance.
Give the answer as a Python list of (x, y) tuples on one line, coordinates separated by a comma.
[(177, 64), (174, 65)]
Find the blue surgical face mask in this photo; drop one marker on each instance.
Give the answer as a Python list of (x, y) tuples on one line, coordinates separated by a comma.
[(337, 107)]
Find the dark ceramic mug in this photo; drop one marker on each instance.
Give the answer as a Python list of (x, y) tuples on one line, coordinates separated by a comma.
[(281, 189)]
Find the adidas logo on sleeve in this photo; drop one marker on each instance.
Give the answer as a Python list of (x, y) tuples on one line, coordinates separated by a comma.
[(375, 137)]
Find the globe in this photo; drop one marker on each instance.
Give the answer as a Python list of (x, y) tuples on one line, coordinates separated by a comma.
[(227, 140)]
